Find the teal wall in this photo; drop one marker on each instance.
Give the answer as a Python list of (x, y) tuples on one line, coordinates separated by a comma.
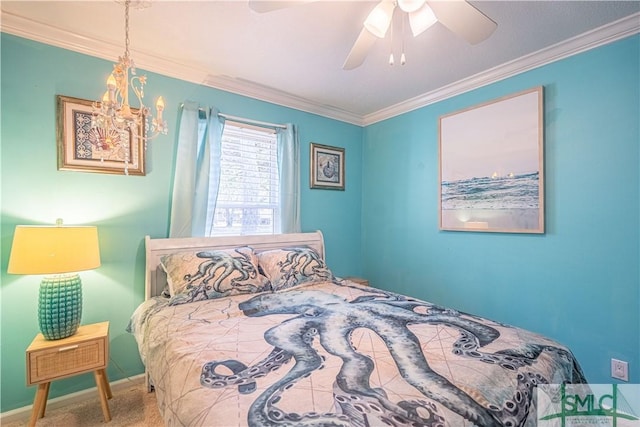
[(125, 209), (580, 281)]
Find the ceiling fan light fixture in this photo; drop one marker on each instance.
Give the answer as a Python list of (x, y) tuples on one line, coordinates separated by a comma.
[(379, 19), (410, 6), (421, 19)]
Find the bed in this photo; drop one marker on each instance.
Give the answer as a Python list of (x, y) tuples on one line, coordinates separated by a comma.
[(258, 331)]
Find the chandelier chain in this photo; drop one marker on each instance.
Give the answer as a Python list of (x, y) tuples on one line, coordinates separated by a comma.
[(126, 28)]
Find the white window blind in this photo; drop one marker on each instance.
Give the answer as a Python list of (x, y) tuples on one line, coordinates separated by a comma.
[(249, 193)]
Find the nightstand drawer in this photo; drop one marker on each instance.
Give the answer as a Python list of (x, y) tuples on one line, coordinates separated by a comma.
[(62, 361)]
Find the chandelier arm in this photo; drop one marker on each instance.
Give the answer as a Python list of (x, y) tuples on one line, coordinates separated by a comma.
[(139, 92)]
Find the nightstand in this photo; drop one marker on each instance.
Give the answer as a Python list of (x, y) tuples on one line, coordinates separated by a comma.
[(358, 280), (85, 351)]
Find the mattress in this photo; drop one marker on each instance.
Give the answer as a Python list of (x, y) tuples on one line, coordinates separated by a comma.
[(337, 353)]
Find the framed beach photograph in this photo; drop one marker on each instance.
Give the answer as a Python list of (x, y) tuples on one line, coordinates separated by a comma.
[(82, 147), (327, 167), (492, 164)]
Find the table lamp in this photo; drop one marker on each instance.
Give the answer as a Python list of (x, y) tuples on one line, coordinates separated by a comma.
[(58, 252)]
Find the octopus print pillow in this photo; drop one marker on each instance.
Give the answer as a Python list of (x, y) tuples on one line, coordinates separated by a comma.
[(199, 275), (286, 268)]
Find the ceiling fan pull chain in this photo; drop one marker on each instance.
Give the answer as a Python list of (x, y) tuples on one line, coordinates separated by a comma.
[(403, 60), (391, 60)]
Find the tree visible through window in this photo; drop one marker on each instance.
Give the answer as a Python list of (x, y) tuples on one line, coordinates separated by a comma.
[(249, 192)]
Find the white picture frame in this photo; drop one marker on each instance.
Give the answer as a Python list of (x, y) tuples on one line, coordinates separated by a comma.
[(491, 170)]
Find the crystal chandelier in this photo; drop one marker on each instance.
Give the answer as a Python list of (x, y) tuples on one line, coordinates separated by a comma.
[(114, 121)]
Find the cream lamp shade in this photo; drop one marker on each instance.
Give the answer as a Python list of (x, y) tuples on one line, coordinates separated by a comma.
[(58, 252), (54, 250)]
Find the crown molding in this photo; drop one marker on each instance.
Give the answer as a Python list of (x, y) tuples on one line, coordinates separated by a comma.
[(33, 30), (606, 34), (274, 96), (13, 24)]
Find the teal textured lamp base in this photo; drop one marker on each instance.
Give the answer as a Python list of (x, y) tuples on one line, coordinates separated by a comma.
[(60, 306)]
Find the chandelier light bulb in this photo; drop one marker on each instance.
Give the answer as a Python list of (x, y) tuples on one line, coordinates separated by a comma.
[(403, 60), (391, 61), (111, 81)]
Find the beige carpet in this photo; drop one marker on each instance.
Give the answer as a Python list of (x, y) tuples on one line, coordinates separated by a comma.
[(130, 407)]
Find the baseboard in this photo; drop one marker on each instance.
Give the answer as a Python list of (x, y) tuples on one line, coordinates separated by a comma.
[(68, 399)]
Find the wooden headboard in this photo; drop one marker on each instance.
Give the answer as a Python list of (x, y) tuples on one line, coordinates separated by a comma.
[(155, 278)]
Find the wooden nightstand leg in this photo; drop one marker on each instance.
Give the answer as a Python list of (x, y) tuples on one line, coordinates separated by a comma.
[(43, 405), (39, 404), (101, 378), (107, 386), (105, 383)]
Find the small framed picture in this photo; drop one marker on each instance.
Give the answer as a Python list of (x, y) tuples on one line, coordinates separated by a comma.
[(327, 167), (82, 147)]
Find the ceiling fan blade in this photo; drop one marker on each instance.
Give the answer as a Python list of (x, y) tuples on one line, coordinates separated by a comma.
[(263, 6), (360, 49), (379, 18), (463, 19)]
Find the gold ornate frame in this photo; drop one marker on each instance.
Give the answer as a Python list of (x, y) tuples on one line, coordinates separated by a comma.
[(83, 148)]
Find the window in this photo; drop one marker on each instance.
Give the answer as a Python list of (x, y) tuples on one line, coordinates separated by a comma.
[(249, 192)]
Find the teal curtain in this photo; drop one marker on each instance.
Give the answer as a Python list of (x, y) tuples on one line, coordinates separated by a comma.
[(197, 171), (214, 129), (289, 170)]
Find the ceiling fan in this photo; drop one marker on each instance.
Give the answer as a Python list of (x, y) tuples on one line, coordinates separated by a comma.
[(458, 16)]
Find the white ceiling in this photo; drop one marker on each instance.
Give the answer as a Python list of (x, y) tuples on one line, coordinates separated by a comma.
[(294, 56)]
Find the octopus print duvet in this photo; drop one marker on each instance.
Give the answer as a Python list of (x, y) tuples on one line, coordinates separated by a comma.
[(341, 354)]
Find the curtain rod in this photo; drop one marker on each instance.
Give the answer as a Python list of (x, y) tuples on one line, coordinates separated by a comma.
[(251, 122)]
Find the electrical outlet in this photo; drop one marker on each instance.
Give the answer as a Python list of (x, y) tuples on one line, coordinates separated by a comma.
[(619, 370)]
